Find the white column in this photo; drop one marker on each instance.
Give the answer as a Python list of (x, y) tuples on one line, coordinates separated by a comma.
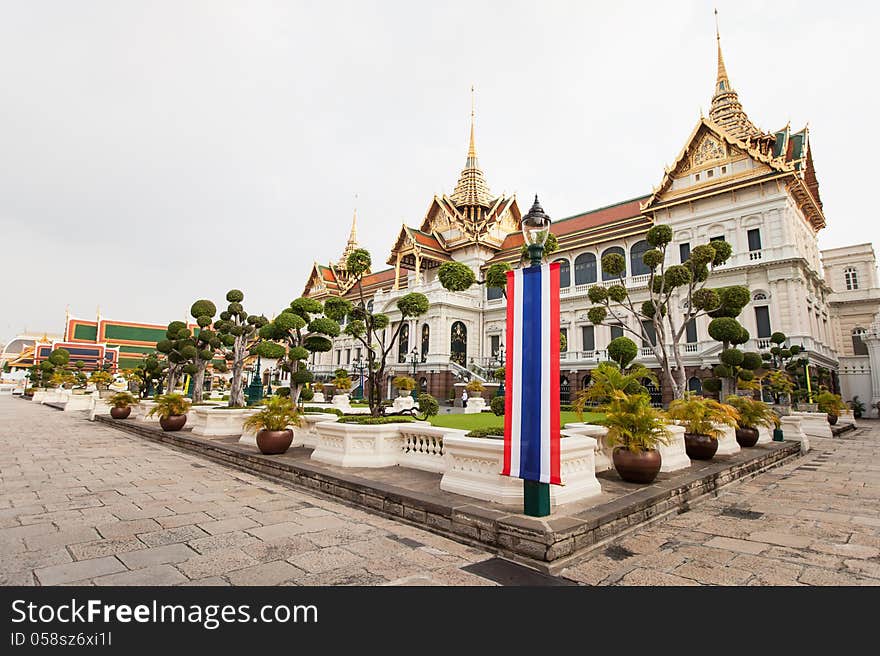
[(872, 340)]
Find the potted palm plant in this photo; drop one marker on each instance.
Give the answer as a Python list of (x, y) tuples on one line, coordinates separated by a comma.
[(172, 409), (752, 415), (120, 404), (858, 408), (701, 418), (831, 404), (404, 384), (635, 428), (271, 424)]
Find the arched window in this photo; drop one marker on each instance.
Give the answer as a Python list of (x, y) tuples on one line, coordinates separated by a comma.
[(564, 273), (458, 343), (426, 340), (585, 269), (695, 385), (859, 346), (759, 296), (609, 251), (564, 391), (637, 267), (851, 276), (423, 384), (493, 293), (403, 343)]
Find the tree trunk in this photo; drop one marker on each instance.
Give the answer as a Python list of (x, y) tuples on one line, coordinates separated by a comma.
[(198, 390), (173, 375)]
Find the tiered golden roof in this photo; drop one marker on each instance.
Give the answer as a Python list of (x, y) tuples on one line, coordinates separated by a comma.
[(472, 190), (726, 110), (351, 246)]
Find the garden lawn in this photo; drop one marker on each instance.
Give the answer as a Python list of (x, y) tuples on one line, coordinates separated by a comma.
[(488, 419)]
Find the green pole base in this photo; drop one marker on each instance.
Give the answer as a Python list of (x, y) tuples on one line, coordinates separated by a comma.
[(777, 435), (536, 499)]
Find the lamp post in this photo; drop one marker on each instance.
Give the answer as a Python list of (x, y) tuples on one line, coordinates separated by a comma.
[(359, 366), (535, 230), (501, 363), (269, 382), (414, 361), (255, 389)]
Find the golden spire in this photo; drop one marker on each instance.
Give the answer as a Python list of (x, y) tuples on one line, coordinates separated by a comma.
[(352, 244), (471, 189), (472, 149), (726, 110), (722, 83), (353, 235)]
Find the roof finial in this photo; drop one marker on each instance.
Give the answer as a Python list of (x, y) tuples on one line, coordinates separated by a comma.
[(722, 84), (353, 236), (472, 150)]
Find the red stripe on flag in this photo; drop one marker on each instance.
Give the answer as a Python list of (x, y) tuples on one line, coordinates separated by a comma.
[(555, 467), (508, 374)]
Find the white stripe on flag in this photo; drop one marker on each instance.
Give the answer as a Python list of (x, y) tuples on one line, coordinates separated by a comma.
[(515, 394), (545, 373)]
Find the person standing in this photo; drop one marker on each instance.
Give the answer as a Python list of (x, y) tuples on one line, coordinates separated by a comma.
[(464, 398)]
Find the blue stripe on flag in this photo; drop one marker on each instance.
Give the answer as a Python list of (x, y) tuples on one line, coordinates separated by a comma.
[(531, 356)]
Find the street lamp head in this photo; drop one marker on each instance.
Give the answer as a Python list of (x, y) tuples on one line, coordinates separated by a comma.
[(536, 225)]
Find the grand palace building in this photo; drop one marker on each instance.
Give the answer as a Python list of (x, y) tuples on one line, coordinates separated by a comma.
[(734, 181)]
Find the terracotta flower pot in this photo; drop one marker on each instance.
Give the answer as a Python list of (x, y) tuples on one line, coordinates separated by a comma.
[(832, 419), (699, 446), (272, 442), (747, 436), (172, 422), (120, 413), (641, 467)]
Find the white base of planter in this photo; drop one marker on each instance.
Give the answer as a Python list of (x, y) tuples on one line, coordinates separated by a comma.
[(78, 402), (353, 445), (305, 434), (475, 406), (404, 403), (473, 466), (814, 424), (673, 456), (318, 398), (210, 422), (603, 452), (792, 430), (727, 444), (39, 396), (764, 435), (144, 408), (99, 407)]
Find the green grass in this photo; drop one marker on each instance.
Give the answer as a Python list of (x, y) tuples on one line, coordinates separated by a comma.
[(487, 419)]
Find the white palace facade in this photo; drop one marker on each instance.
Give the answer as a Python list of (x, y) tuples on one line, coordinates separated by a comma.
[(732, 180)]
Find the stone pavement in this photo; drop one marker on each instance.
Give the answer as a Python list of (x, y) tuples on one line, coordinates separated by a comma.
[(815, 521), (86, 504)]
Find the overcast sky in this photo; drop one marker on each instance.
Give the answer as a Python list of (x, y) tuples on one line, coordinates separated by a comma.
[(153, 153)]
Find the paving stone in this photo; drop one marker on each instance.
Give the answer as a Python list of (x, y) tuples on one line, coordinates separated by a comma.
[(215, 543), (109, 547), (175, 521), (61, 538), (78, 571), (154, 575), (643, 576), (713, 574), (271, 573), (216, 563), (822, 576), (322, 560), (741, 546), (277, 531), (278, 548), (170, 553), (128, 527), (847, 550), (782, 539), (171, 536)]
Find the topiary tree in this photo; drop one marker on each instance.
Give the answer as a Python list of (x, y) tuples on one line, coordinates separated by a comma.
[(428, 406), (180, 350), (237, 333), (372, 329), (622, 350), (206, 341), (293, 335), (667, 285), (148, 374)]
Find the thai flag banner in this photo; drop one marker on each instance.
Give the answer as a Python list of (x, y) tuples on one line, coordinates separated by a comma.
[(531, 417)]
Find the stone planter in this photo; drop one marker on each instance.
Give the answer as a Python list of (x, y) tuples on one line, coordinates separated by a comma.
[(305, 434), (674, 455), (210, 421), (404, 402), (144, 408), (765, 435), (78, 402), (476, 404), (792, 430), (318, 398), (39, 395), (100, 407), (341, 402), (814, 424), (353, 445), (602, 452), (727, 444), (473, 465)]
